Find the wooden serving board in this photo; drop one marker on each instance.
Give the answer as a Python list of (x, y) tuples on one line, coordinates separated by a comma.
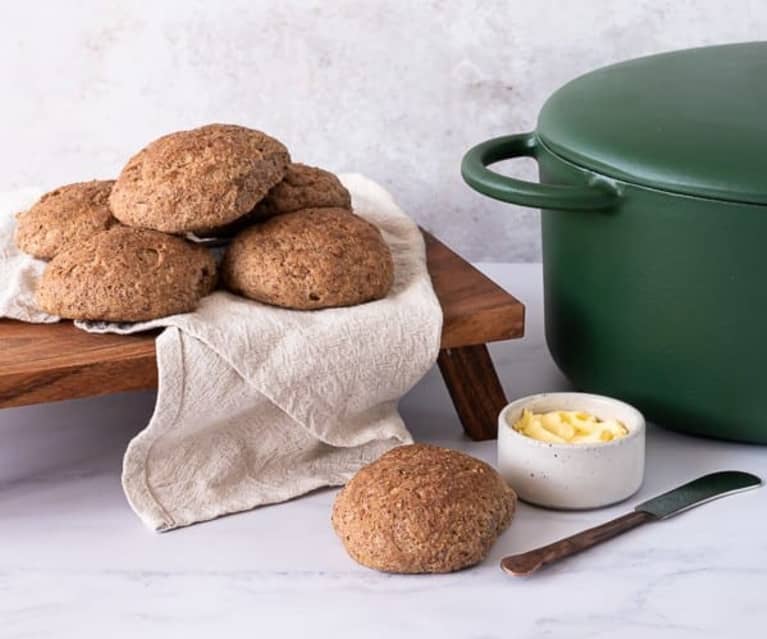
[(50, 362)]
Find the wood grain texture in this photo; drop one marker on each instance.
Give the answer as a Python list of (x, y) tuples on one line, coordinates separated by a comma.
[(50, 362), (476, 310), (528, 562), (474, 387)]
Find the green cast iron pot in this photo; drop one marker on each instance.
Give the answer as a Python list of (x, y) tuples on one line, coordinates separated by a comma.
[(654, 266)]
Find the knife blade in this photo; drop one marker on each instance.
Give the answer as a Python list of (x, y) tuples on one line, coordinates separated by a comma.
[(694, 493), (698, 491)]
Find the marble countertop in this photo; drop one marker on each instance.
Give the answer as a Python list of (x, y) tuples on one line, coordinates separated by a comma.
[(76, 562)]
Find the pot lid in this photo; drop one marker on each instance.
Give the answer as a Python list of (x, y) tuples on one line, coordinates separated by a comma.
[(692, 122)]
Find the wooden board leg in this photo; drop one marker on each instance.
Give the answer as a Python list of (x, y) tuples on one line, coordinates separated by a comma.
[(473, 385)]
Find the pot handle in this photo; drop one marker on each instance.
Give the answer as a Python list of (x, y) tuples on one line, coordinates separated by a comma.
[(593, 196)]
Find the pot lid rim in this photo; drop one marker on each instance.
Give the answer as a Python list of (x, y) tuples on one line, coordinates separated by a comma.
[(689, 122), (611, 174)]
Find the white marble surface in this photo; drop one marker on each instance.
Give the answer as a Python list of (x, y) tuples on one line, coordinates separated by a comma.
[(395, 89), (75, 562)]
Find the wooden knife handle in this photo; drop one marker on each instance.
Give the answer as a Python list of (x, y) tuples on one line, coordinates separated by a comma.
[(527, 563)]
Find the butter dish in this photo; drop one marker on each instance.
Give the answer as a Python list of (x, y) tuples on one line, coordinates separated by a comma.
[(572, 475)]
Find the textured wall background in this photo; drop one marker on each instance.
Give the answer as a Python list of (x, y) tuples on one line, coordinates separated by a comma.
[(395, 89)]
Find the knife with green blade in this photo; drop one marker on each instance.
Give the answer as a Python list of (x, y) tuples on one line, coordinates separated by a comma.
[(694, 493)]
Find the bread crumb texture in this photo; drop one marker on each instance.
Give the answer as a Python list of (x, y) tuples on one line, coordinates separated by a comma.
[(310, 259), (423, 509), (195, 181), (126, 275), (62, 218), (305, 187)]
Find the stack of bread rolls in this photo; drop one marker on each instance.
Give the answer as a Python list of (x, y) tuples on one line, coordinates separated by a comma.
[(128, 250)]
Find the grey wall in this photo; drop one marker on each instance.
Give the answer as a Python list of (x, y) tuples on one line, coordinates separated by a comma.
[(397, 90)]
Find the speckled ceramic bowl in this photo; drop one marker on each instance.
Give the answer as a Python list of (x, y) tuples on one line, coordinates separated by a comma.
[(572, 476)]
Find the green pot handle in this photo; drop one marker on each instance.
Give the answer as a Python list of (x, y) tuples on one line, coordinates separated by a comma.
[(594, 196)]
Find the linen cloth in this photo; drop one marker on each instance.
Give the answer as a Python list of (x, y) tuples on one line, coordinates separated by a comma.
[(258, 404)]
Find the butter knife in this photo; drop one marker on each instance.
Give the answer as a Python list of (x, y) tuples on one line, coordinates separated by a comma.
[(694, 493)]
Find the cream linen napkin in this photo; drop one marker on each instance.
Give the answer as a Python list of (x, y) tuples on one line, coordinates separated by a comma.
[(18, 271), (258, 404)]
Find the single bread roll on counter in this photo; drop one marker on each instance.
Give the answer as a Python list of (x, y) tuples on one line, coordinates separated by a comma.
[(126, 275), (423, 509)]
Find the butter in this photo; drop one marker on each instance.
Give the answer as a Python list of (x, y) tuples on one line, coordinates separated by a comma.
[(569, 427)]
